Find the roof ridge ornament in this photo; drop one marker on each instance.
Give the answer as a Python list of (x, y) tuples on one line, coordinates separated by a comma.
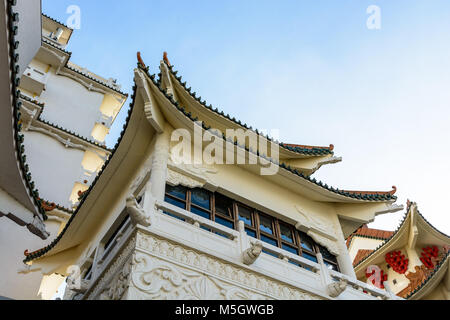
[(166, 60), (140, 61)]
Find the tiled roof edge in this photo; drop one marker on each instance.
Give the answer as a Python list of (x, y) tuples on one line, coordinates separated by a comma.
[(436, 269), (13, 18), (58, 22), (39, 253), (306, 150), (96, 80), (379, 196)]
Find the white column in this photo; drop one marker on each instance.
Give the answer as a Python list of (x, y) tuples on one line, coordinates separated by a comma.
[(158, 174), (344, 260)]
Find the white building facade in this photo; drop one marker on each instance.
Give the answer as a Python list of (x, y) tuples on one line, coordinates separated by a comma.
[(63, 115), (153, 226)]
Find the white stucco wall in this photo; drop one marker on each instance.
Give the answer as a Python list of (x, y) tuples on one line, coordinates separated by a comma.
[(29, 31), (14, 240), (54, 167), (362, 243), (70, 105)]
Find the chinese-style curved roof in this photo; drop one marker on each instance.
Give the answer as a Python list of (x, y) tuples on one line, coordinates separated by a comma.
[(361, 254), (58, 22), (56, 47), (95, 80), (13, 18), (432, 274), (367, 232), (301, 149), (67, 131), (388, 240), (39, 253), (50, 206), (381, 196)]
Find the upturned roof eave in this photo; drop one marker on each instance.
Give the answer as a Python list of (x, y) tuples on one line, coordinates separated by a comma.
[(288, 151), (400, 237), (19, 181), (56, 246), (335, 195)]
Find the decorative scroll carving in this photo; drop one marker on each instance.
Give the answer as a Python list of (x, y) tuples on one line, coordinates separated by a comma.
[(174, 179), (330, 160), (61, 58), (116, 272), (120, 284), (188, 174), (317, 228), (174, 281), (155, 279), (250, 255)]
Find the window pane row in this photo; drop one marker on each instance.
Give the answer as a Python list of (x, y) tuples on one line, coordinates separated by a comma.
[(228, 212)]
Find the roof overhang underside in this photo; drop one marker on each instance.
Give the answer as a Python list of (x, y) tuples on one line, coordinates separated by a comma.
[(11, 177)]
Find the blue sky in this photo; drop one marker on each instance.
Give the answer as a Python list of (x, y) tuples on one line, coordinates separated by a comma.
[(311, 69)]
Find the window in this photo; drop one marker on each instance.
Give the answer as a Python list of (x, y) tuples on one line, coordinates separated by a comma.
[(228, 212), (328, 258), (88, 274), (113, 237)]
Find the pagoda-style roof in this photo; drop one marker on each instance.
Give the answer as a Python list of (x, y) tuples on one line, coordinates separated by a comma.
[(16, 179), (312, 182), (30, 256), (414, 230), (191, 98), (135, 133)]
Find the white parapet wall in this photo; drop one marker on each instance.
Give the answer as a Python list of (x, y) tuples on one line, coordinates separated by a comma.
[(176, 259)]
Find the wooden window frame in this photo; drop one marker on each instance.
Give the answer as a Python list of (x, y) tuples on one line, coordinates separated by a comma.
[(256, 223)]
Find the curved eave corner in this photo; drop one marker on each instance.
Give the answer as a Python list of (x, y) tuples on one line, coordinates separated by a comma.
[(398, 233), (306, 150), (28, 195), (357, 196)]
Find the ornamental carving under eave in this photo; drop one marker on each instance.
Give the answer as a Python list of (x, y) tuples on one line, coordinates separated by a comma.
[(155, 278), (176, 179), (317, 228)]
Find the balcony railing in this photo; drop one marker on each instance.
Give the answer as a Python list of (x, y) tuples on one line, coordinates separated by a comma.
[(201, 234)]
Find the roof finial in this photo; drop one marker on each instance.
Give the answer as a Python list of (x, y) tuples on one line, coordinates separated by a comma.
[(140, 61), (394, 190), (166, 60)]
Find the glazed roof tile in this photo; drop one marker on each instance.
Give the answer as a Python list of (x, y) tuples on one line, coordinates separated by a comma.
[(13, 18), (361, 254), (58, 22), (367, 232), (358, 195)]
